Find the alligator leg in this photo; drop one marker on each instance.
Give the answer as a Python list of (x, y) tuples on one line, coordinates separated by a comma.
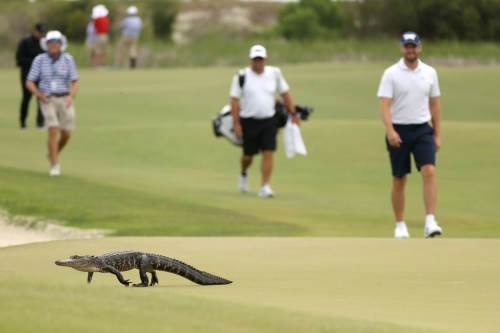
[(143, 268), (89, 277), (116, 272), (154, 278)]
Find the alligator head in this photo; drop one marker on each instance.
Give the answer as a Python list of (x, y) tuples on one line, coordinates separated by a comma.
[(82, 263)]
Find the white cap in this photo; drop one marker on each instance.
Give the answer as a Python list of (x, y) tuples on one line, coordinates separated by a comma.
[(132, 10), (258, 51), (54, 34), (99, 11)]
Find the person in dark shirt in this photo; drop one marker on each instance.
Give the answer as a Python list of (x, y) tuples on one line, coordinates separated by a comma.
[(28, 49)]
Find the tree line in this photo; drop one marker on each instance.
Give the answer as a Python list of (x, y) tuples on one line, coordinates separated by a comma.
[(462, 20)]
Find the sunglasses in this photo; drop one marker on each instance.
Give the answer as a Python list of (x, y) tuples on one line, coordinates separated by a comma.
[(53, 41)]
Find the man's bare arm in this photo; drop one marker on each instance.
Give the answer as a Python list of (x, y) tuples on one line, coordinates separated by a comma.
[(385, 113), (31, 86), (235, 109), (435, 108), (72, 94), (287, 99)]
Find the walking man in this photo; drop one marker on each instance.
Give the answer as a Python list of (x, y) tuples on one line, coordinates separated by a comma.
[(53, 70), (27, 50), (131, 30), (409, 99), (256, 86)]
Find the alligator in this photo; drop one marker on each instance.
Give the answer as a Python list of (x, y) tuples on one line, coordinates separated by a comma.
[(120, 261)]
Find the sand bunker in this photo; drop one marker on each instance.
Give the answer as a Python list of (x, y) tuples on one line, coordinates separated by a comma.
[(15, 230)]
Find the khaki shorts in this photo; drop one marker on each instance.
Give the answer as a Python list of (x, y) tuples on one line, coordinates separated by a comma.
[(90, 48), (56, 113), (101, 43), (128, 45)]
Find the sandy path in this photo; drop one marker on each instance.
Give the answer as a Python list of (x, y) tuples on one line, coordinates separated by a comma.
[(23, 230)]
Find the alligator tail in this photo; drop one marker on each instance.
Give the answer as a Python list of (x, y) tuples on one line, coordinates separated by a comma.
[(180, 268)]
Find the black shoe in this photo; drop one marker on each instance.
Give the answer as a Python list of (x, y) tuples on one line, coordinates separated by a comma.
[(23, 126)]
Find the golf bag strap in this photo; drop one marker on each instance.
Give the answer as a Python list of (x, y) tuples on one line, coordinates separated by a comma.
[(241, 77)]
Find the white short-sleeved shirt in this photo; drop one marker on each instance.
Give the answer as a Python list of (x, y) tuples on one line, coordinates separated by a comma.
[(410, 92), (258, 93)]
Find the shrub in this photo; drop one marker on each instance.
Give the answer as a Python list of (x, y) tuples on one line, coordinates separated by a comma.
[(163, 14), (300, 23)]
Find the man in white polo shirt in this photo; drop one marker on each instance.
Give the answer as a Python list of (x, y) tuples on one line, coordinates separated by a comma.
[(255, 120), (409, 99)]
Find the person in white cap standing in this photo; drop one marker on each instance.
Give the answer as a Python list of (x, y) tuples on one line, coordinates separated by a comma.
[(255, 121), (101, 24), (131, 30), (53, 71)]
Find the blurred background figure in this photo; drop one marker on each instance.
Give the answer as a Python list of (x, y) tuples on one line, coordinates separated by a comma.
[(90, 43), (131, 30), (28, 49), (101, 25), (54, 70)]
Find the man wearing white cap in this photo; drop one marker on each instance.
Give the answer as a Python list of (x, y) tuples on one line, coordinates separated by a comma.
[(131, 29), (53, 71), (101, 24), (255, 121)]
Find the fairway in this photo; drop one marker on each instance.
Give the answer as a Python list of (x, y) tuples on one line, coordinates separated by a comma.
[(143, 159), (280, 285)]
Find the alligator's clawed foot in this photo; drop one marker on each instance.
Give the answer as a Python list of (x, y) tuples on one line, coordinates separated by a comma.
[(154, 280), (126, 283), (140, 285)]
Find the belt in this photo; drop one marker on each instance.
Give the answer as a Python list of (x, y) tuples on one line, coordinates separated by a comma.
[(60, 94), (409, 125)]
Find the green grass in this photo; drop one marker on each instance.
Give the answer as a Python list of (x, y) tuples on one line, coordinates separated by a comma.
[(143, 159), (216, 51), (280, 285)]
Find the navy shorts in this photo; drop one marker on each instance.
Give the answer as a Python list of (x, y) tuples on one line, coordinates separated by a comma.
[(258, 135), (417, 140)]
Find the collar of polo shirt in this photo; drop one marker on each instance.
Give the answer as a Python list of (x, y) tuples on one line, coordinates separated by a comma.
[(402, 65)]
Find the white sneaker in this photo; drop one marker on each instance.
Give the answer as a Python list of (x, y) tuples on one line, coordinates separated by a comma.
[(432, 229), (243, 184), (55, 171), (266, 192), (401, 232)]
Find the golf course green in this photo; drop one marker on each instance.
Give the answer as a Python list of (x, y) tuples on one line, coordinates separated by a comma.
[(279, 285), (319, 257)]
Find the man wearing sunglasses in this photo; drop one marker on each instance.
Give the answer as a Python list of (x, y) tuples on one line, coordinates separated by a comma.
[(255, 120), (54, 70)]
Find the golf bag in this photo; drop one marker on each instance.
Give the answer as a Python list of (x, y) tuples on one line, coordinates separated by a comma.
[(223, 122)]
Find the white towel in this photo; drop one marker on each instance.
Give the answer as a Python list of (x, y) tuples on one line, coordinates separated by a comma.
[(292, 139)]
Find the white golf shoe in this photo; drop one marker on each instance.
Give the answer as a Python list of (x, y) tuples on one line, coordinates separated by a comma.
[(401, 231), (55, 171), (243, 184), (432, 229), (266, 192)]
